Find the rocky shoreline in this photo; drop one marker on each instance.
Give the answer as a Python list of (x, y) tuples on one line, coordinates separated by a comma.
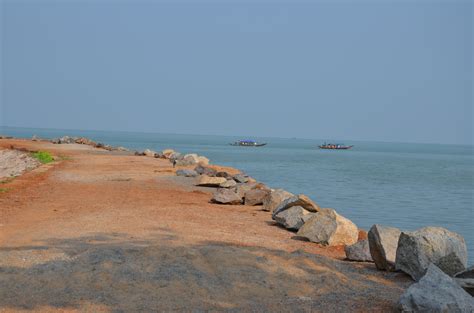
[(427, 254), (430, 254)]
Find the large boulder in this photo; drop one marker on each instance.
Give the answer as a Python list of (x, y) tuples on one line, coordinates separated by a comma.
[(207, 181), (175, 156), (204, 170), (255, 196), (359, 251), (299, 200), (229, 183), (293, 218), (274, 198), (242, 189), (383, 242), (327, 227), (167, 153), (416, 250), (226, 196), (187, 173), (202, 160), (435, 292), (465, 279)]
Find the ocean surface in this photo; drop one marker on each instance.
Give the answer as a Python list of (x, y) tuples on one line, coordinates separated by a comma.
[(403, 185)]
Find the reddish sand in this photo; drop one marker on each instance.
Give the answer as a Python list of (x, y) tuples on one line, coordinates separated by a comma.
[(107, 231)]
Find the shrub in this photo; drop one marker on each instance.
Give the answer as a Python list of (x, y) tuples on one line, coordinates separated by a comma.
[(43, 156)]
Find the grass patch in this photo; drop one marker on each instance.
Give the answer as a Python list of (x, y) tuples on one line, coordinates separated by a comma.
[(2, 190), (43, 156)]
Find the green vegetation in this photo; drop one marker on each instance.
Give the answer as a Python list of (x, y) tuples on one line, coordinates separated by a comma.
[(43, 156), (2, 190)]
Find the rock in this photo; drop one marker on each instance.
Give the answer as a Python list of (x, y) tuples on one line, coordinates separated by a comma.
[(223, 174), (35, 138), (467, 284), (450, 264), (327, 227), (299, 200), (229, 183), (187, 173), (186, 160), (240, 178), (293, 218), (64, 140), (435, 292), (383, 242), (122, 149), (359, 251), (175, 156), (149, 153), (192, 158), (274, 198), (241, 189), (207, 181), (226, 196), (204, 170), (203, 160), (416, 250), (255, 196), (167, 153)]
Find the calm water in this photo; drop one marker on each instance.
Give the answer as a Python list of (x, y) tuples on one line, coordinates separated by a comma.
[(397, 184)]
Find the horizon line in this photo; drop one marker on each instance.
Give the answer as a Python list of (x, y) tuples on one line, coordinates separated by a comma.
[(187, 134)]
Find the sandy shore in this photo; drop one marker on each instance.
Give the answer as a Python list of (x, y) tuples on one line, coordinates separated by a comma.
[(105, 231)]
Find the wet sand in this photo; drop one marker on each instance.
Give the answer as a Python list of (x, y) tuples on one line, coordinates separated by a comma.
[(101, 231)]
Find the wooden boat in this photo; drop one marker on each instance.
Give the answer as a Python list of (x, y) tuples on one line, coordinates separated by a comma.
[(248, 143), (334, 146)]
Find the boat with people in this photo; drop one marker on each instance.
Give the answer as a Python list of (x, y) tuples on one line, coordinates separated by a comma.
[(334, 146), (248, 143)]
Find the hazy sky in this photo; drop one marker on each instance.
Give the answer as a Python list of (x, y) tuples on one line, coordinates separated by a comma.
[(378, 70)]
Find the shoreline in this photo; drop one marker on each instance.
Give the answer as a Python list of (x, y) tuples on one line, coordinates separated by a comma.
[(183, 218)]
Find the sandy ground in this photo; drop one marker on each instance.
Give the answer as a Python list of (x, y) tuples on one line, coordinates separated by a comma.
[(110, 232)]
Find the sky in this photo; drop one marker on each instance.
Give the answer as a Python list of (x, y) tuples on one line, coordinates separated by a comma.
[(360, 70)]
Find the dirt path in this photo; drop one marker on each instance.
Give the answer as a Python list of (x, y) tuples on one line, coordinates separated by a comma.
[(102, 231)]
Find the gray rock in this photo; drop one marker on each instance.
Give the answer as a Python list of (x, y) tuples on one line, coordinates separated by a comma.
[(226, 196), (240, 178), (204, 170), (435, 292), (450, 264), (359, 251), (293, 218), (174, 156), (299, 200), (274, 198), (255, 196), (327, 227), (187, 173), (467, 273), (229, 183), (417, 250), (466, 283), (383, 242)]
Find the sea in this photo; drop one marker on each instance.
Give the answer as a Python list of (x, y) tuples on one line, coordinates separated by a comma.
[(405, 185)]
